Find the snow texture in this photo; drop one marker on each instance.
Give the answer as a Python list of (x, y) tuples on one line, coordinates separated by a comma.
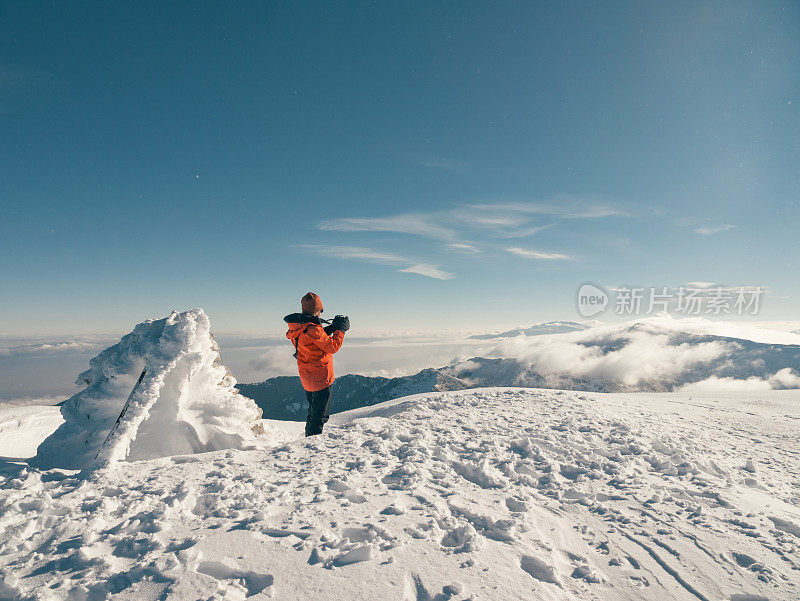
[(491, 494), (185, 403)]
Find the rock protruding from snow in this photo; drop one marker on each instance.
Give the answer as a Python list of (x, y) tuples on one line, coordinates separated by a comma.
[(185, 403)]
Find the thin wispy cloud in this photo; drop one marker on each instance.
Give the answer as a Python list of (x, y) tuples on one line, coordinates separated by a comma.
[(525, 232), (595, 213), (489, 222), (498, 220), (420, 224), (356, 253), (714, 229), (564, 206), (430, 271), (370, 255), (715, 288), (463, 247), (539, 255)]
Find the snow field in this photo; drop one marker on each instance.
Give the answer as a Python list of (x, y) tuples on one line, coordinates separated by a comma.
[(485, 494), (23, 428)]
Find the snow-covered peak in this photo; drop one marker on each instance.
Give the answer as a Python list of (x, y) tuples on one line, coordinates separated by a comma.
[(541, 329), (699, 326), (161, 390)]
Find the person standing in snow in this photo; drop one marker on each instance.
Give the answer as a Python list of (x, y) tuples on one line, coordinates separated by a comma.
[(314, 349)]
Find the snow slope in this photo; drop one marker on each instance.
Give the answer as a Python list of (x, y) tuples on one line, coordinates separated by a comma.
[(185, 402), (23, 428), (487, 494)]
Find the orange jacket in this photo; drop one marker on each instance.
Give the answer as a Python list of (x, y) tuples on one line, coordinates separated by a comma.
[(315, 349)]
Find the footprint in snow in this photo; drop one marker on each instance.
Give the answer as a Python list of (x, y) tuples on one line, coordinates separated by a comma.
[(416, 591), (785, 526), (516, 505), (539, 569), (345, 558), (393, 509), (337, 485), (252, 582), (357, 555), (583, 570), (461, 539), (346, 491), (206, 505)]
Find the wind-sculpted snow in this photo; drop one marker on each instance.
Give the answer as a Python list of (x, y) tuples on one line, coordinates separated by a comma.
[(494, 494), (185, 403)]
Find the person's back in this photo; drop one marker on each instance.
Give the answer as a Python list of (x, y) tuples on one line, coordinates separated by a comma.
[(314, 349)]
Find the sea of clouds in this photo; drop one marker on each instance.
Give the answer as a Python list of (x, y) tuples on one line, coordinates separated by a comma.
[(683, 354), (687, 354)]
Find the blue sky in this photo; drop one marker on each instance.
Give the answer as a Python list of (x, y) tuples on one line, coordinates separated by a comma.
[(420, 165)]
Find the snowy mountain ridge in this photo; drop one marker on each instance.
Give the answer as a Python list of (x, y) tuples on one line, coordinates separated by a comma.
[(540, 329), (651, 355), (283, 397)]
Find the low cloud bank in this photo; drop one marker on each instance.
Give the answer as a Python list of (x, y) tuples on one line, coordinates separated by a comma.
[(659, 354), (784, 379), (276, 361), (50, 348), (640, 357)]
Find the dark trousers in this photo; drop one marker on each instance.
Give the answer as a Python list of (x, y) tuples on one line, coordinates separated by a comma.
[(319, 410)]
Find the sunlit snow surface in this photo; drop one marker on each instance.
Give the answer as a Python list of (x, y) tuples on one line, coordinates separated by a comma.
[(22, 429), (489, 494)]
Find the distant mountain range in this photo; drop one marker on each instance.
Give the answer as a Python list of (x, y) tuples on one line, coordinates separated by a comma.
[(607, 361), (540, 329), (283, 397)]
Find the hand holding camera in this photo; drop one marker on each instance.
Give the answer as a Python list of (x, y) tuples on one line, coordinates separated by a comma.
[(341, 322)]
